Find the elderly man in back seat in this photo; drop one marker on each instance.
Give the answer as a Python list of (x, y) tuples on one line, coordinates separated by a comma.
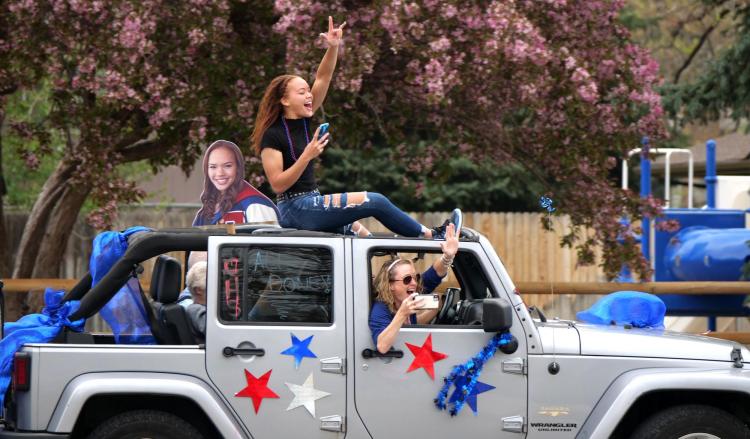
[(193, 298)]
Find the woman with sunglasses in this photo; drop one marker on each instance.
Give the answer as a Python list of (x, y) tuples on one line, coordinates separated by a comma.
[(397, 285), (283, 139)]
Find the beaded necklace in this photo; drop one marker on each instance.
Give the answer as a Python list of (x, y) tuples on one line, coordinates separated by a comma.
[(289, 137)]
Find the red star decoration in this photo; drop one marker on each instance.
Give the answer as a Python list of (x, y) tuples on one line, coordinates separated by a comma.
[(425, 357), (257, 389)]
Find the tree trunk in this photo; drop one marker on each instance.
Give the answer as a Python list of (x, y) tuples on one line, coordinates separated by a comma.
[(32, 238), (36, 225), (4, 244), (55, 240)]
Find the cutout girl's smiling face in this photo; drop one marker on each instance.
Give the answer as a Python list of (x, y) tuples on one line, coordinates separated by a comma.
[(222, 169)]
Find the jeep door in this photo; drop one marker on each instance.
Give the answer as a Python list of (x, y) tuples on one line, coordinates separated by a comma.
[(393, 401), (275, 337)]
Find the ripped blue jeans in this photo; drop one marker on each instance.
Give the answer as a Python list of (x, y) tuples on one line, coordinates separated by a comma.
[(333, 213)]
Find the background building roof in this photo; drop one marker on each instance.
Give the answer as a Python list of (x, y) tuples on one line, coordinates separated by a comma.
[(732, 157)]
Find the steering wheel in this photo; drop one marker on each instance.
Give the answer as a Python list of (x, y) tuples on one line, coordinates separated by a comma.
[(448, 298)]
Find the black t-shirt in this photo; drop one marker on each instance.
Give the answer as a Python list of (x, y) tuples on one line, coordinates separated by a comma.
[(275, 137)]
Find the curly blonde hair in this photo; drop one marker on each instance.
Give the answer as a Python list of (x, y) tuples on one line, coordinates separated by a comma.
[(382, 282)]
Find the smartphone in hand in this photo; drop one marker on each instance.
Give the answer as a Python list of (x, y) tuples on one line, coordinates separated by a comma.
[(323, 129), (428, 301)]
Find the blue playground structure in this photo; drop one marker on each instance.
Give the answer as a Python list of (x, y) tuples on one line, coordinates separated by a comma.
[(711, 244)]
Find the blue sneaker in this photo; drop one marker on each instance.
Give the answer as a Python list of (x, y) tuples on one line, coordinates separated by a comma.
[(456, 218)]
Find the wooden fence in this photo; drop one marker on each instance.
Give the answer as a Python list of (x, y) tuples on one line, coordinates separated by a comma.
[(529, 252)]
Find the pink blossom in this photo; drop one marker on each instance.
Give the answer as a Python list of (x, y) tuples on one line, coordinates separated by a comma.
[(131, 35), (580, 75), (440, 44), (570, 63), (161, 116), (411, 9), (607, 68), (449, 11), (588, 92), (196, 37)]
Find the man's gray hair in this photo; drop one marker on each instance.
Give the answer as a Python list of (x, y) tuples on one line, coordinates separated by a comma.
[(196, 276)]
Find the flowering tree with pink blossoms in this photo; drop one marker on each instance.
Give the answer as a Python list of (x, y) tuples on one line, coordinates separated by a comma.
[(554, 85), (129, 81)]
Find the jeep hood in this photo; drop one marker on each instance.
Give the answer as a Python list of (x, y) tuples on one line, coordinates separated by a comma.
[(654, 343)]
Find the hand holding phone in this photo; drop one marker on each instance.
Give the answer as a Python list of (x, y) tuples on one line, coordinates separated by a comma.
[(323, 128)]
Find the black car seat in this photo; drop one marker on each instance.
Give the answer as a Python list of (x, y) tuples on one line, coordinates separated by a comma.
[(174, 327)]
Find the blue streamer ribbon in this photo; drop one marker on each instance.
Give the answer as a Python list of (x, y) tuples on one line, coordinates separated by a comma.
[(36, 328), (546, 203), (464, 376)]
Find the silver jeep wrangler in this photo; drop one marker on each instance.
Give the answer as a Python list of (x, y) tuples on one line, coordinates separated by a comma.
[(288, 353)]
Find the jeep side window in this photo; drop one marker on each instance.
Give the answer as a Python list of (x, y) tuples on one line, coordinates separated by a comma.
[(275, 284), (466, 284), (471, 277)]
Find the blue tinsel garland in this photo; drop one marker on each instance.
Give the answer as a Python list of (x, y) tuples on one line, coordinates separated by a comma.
[(472, 369), (546, 203)]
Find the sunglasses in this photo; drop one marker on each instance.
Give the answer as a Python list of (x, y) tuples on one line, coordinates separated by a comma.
[(408, 278)]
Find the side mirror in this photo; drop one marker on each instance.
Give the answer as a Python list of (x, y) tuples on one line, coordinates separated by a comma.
[(497, 315)]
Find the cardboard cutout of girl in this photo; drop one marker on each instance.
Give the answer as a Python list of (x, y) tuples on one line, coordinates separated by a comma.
[(226, 196)]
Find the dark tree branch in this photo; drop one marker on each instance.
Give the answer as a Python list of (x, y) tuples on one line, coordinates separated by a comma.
[(140, 150), (8, 90), (694, 52), (704, 37)]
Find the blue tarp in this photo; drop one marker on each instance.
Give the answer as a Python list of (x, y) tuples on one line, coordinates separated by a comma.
[(124, 312), (642, 310), (35, 328)]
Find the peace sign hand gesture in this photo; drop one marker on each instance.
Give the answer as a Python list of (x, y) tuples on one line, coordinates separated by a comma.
[(335, 34)]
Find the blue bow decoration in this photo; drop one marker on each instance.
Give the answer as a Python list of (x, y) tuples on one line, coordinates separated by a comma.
[(36, 328), (464, 377), (546, 203)]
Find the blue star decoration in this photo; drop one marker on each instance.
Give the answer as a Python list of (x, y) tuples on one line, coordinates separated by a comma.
[(300, 350), (546, 203), (471, 398)]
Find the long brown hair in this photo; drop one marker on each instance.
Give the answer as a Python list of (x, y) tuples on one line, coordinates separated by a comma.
[(270, 108), (211, 197)]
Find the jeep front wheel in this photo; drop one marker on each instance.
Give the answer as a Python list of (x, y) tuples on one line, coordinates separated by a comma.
[(692, 422), (145, 424)]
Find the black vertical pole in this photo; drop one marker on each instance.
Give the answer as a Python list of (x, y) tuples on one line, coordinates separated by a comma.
[(2, 311)]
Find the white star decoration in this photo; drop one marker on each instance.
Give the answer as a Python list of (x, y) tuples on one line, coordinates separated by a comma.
[(305, 395)]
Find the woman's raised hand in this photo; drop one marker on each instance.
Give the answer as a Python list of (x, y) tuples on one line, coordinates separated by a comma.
[(450, 246), (335, 34), (316, 146)]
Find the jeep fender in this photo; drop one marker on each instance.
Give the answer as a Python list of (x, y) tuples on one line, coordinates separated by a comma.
[(83, 387), (628, 387)]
